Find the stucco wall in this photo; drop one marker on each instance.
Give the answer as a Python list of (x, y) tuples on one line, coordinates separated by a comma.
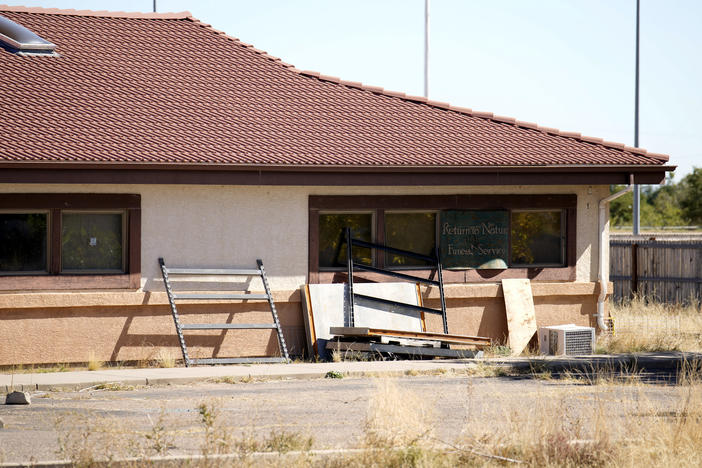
[(49, 327), (234, 225)]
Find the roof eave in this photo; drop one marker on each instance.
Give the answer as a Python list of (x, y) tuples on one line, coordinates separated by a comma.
[(211, 174)]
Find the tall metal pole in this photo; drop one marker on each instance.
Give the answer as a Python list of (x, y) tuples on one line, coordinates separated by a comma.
[(637, 187), (426, 48), (154, 6)]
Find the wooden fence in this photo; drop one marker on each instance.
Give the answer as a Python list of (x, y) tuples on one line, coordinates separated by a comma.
[(668, 271)]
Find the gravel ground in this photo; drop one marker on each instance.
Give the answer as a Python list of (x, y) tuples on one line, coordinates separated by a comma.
[(126, 421)]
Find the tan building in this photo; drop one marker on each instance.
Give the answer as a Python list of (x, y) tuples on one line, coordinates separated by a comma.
[(129, 137)]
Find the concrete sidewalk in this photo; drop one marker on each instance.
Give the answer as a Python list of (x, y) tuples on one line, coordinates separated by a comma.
[(668, 362)]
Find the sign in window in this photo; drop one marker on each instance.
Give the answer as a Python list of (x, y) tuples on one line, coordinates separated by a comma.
[(474, 239)]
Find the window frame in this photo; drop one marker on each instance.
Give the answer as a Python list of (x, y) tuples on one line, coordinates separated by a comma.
[(57, 203), (425, 203)]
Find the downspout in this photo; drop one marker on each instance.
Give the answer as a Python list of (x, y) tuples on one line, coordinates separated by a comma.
[(603, 274)]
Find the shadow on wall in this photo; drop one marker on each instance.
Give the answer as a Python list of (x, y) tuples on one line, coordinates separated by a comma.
[(138, 333), (214, 343)]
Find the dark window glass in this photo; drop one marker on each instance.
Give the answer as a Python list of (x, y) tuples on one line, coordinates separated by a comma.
[(537, 238), (91, 242), (415, 232), (23, 242), (332, 247)]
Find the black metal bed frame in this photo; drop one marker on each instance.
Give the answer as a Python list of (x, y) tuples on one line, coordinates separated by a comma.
[(351, 266)]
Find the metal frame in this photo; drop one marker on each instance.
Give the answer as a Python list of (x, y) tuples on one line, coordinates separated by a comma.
[(165, 271), (351, 266)]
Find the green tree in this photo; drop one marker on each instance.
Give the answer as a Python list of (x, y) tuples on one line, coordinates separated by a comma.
[(665, 207), (659, 206), (691, 196), (620, 208)]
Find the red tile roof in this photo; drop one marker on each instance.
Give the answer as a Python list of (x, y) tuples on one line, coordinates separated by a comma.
[(167, 89)]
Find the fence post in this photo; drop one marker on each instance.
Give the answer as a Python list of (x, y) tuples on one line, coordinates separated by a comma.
[(634, 270)]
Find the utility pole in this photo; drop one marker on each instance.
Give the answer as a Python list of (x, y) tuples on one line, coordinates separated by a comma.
[(637, 187), (426, 48)]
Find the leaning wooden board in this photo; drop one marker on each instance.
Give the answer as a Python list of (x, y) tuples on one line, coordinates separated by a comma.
[(521, 317), (368, 332)]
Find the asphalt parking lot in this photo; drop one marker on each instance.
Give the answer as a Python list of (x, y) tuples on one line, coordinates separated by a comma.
[(119, 420)]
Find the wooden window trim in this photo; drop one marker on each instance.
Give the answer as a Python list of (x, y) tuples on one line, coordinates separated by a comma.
[(55, 203), (380, 203)]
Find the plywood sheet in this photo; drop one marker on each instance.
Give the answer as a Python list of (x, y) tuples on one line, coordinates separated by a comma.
[(521, 318), (325, 307)]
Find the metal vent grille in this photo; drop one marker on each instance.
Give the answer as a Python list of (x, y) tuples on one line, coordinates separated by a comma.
[(578, 342)]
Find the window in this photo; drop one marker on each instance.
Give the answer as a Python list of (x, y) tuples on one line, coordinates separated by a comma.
[(498, 236), (70, 241), (23, 243), (537, 238), (92, 242), (332, 245), (415, 232)]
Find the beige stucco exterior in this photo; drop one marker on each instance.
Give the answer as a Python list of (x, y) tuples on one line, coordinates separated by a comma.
[(233, 226), (226, 225)]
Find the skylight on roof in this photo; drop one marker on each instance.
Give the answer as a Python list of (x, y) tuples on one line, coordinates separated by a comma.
[(20, 39)]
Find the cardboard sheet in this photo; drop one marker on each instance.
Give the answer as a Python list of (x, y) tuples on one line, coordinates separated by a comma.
[(521, 317), (325, 307)]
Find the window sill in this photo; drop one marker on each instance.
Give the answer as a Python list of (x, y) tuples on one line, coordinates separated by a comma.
[(69, 282), (454, 276)]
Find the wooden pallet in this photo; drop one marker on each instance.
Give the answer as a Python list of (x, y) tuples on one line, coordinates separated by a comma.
[(412, 351), (369, 333)]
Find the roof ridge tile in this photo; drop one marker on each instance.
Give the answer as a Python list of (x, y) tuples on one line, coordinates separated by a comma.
[(95, 13), (614, 144), (485, 115), (531, 125), (502, 118), (591, 139)]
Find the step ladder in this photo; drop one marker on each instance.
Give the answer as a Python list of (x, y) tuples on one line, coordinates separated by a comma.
[(208, 296)]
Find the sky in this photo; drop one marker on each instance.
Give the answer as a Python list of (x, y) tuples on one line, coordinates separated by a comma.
[(567, 64)]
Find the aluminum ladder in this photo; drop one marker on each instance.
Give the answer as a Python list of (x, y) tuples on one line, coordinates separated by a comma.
[(208, 296)]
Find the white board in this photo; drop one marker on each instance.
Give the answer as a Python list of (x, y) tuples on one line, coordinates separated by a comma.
[(325, 307), (521, 317)]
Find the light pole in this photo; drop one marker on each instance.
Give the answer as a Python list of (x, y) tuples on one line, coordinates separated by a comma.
[(637, 187), (426, 48)]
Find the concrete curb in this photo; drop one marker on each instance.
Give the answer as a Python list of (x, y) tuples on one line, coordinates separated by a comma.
[(643, 362)]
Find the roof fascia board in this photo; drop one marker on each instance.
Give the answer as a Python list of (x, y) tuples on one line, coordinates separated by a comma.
[(369, 177), (106, 166)]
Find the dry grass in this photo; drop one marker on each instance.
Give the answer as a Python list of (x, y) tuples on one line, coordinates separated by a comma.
[(94, 363), (565, 426), (165, 358), (577, 427), (640, 326), (396, 417)]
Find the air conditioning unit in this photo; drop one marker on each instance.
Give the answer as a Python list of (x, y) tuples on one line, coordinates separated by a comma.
[(569, 340)]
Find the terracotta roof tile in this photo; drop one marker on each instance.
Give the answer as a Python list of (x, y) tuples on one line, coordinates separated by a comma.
[(166, 88)]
